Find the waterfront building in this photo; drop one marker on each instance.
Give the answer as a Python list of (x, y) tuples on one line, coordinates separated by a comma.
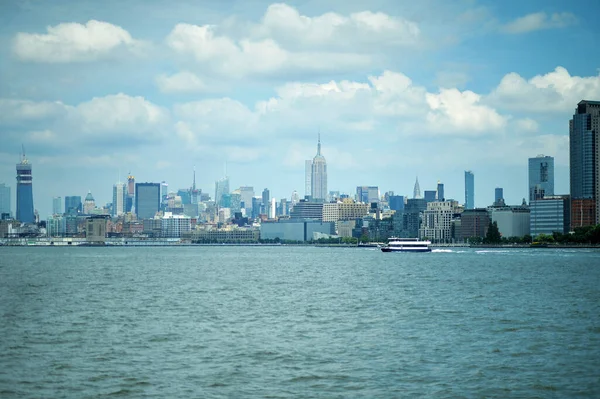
[(440, 192), (24, 191), (174, 226), (513, 221), (95, 231), (119, 199), (584, 130), (73, 204), (396, 202), (230, 234), (436, 221), (296, 230), (473, 223), (550, 214), (308, 178), (57, 206), (429, 195), (318, 176), (307, 210), (541, 177), (4, 199), (89, 204), (147, 200), (469, 190)]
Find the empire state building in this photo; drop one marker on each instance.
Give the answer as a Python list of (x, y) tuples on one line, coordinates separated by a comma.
[(319, 175)]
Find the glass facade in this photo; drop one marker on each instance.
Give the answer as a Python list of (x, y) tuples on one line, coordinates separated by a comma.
[(4, 199), (581, 151), (549, 215), (147, 200), (73, 204), (24, 192), (541, 177), (469, 190)]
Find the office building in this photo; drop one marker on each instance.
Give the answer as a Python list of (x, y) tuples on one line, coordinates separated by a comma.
[(307, 210), (440, 192), (247, 193), (89, 204), (437, 219), (95, 229), (473, 223), (550, 214), (296, 230), (396, 202), (130, 193), (24, 191), (318, 177), (469, 190), (367, 194), (174, 226), (429, 195), (513, 221), (57, 206), (266, 202), (73, 204), (498, 196), (147, 200), (417, 190), (119, 199), (584, 129), (221, 188), (541, 177), (308, 178), (4, 199)]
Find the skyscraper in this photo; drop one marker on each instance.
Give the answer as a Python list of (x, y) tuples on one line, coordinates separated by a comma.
[(266, 201), (119, 199), (498, 194), (541, 177), (307, 177), (147, 200), (221, 188), (24, 191), (89, 204), (440, 191), (4, 199), (318, 176), (247, 192), (584, 129), (469, 190), (73, 204), (130, 193), (57, 206), (417, 190)]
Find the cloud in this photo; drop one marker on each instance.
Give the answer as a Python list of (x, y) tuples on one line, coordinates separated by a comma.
[(453, 111), (539, 21), (556, 91), (357, 31), (182, 82), (74, 42)]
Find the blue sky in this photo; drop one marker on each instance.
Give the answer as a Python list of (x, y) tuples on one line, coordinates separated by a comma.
[(397, 89)]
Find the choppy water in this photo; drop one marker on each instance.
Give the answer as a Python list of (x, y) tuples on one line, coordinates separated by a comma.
[(301, 322)]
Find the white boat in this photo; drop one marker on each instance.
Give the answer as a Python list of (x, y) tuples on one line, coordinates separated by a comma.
[(396, 244)]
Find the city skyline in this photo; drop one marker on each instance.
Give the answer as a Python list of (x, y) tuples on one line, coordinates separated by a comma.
[(254, 94)]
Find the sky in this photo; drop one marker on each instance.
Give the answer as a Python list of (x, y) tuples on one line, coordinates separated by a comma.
[(396, 89)]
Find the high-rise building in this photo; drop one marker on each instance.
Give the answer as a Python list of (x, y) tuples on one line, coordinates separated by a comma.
[(308, 177), (417, 190), (130, 193), (498, 194), (119, 199), (550, 214), (429, 195), (147, 200), (4, 199), (164, 188), (440, 191), (396, 202), (266, 201), (73, 204), (89, 203), (247, 192), (541, 177), (584, 129), (318, 176), (57, 206), (221, 188), (24, 191), (367, 194), (469, 190)]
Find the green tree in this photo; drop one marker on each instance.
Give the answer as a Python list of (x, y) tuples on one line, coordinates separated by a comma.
[(493, 235)]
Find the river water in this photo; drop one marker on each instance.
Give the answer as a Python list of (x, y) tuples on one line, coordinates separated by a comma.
[(298, 322)]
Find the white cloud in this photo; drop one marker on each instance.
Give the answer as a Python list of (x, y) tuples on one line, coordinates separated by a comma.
[(539, 21), (360, 30), (182, 82), (453, 111), (227, 57), (25, 110), (556, 91), (74, 42)]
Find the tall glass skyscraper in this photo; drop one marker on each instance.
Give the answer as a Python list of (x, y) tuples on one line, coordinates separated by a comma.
[(469, 190), (73, 204), (584, 130), (57, 206), (318, 178), (119, 199), (24, 191), (541, 177), (221, 188), (4, 199), (147, 200)]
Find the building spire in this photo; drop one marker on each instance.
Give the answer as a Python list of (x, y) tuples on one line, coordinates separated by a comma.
[(319, 145), (417, 191)]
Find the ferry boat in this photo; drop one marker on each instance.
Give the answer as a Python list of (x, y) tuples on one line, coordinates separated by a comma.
[(396, 244)]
